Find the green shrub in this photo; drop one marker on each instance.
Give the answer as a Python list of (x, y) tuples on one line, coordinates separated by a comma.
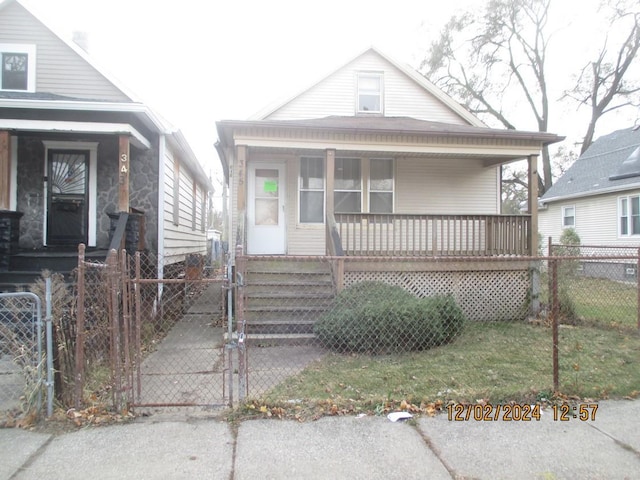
[(378, 318)]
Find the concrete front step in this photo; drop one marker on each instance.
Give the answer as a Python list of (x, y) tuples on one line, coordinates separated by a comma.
[(287, 302), (269, 340), (280, 326)]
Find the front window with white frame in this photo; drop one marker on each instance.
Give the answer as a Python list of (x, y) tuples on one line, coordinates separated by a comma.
[(381, 184), (568, 217), (311, 188), (348, 185), (18, 67), (370, 92), (629, 215)]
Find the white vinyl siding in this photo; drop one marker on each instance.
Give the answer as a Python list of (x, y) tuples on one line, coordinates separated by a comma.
[(599, 221), (449, 186), (335, 95), (59, 69), (183, 200)]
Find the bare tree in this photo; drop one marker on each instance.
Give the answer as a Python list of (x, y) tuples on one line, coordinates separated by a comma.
[(496, 57), (602, 85)]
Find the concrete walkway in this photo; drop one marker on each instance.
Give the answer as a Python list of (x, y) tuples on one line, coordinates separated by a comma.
[(336, 448)]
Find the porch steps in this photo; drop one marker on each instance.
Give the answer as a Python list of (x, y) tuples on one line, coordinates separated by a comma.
[(284, 298), (26, 266)]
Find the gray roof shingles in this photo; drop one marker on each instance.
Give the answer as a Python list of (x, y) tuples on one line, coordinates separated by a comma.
[(591, 173)]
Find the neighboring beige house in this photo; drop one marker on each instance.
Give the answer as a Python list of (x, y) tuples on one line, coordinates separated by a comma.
[(79, 154), (375, 161), (598, 196)]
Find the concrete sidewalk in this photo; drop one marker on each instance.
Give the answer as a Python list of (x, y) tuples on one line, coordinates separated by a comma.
[(336, 447)]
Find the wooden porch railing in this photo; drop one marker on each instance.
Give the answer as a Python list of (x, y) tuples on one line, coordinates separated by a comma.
[(433, 235)]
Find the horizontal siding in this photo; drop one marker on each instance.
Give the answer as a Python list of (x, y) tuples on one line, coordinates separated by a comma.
[(182, 239), (596, 221), (336, 94), (445, 187), (59, 69)]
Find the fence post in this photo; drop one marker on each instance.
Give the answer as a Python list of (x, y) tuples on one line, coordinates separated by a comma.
[(79, 373), (555, 310), (116, 371), (638, 288), (49, 337), (240, 323), (137, 287)]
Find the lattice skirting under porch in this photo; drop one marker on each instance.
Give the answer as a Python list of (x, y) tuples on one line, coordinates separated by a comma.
[(483, 295)]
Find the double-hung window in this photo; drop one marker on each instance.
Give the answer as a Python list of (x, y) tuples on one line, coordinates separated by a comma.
[(311, 188), (629, 215), (370, 90), (381, 185), (18, 67), (568, 217), (348, 185)]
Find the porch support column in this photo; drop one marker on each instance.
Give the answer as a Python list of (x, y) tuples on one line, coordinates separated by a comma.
[(240, 170), (533, 235), (5, 170), (124, 165), (330, 163), (533, 204)]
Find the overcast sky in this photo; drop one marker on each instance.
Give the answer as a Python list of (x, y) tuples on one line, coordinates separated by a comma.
[(199, 61)]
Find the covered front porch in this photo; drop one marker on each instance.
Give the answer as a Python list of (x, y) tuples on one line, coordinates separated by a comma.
[(386, 186)]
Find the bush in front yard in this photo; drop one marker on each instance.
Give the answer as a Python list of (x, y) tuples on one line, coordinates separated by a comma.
[(378, 318)]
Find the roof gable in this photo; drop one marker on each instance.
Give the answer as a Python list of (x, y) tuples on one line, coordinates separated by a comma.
[(81, 78), (608, 165), (406, 93)]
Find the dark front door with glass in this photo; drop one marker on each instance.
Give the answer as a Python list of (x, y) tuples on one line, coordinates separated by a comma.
[(67, 180)]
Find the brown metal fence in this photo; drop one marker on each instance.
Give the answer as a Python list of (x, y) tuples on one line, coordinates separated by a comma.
[(368, 331), (149, 332)]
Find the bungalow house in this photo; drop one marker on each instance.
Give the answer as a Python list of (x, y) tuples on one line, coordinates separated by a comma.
[(374, 161), (83, 161), (599, 197)]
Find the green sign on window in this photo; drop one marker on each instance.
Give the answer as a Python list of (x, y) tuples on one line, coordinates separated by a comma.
[(270, 186)]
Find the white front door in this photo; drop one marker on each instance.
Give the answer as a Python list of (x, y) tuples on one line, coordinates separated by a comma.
[(266, 230)]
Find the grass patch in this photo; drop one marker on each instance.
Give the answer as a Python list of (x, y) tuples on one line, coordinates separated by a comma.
[(492, 362), (598, 301)]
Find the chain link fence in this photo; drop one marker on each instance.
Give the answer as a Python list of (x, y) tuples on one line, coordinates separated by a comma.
[(360, 332), (149, 332), (343, 333), (26, 366)]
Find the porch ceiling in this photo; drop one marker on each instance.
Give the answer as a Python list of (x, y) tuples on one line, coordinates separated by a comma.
[(137, 139)]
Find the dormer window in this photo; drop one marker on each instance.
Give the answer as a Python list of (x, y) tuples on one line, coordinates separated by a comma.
[(370, 92), (18, 67)]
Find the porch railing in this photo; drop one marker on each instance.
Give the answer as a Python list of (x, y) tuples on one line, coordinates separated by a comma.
[(433, 235)]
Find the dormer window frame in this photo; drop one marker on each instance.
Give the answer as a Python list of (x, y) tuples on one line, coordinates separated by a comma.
[(366, 91), (20, 49)]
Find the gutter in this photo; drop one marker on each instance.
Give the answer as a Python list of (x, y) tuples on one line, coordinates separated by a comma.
[(603, 191), (545, 138)]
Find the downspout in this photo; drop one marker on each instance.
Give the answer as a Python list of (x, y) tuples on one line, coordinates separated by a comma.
[(162, 153)]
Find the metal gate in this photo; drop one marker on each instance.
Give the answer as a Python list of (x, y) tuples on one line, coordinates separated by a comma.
[(166, 340), (25, 369)]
